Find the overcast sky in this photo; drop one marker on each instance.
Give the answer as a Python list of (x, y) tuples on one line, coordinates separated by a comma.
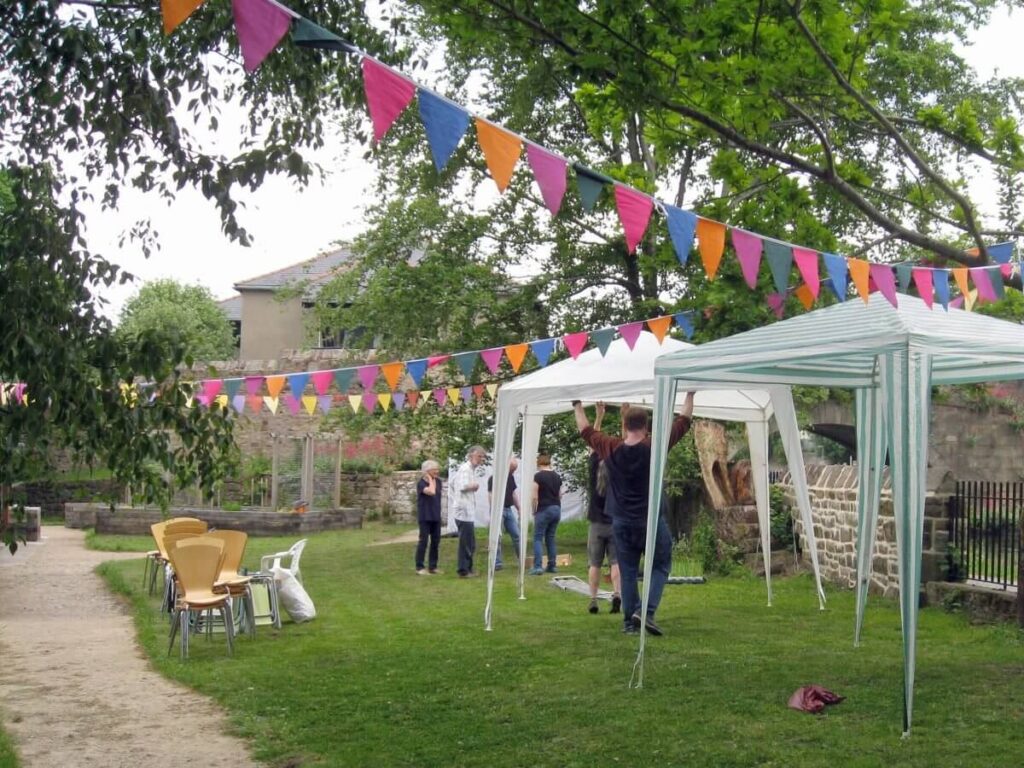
[(289, 224)]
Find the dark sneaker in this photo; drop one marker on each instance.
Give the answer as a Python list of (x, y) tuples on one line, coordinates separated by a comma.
[(593, 606), (551, 569), (498, 566), (630, 629), (652, 628), (435, 572), (616, 604)]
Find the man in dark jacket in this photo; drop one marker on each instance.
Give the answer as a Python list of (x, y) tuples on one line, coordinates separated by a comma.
[(628, 461)]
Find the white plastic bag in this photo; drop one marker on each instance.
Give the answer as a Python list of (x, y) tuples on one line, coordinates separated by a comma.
[(292, 596)]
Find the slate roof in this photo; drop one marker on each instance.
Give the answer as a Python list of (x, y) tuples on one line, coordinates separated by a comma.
[(312, 271), (232, 307)]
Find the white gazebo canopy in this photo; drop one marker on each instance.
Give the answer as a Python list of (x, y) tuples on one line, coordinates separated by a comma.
[(627, 375), (890, 357)]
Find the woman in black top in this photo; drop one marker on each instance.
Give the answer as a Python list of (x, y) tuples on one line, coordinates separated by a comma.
[(428, 513), (547, 501)]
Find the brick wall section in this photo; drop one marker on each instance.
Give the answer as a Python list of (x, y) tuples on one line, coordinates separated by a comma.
[(51, 497), (125, 520), (833, 491)]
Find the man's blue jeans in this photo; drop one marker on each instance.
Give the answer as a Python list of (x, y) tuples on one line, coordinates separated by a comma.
[(630, 541), (544, 524), (510, 522)]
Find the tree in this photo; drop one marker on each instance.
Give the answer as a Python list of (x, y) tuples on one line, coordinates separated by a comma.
[(69, 383), (187, 311)]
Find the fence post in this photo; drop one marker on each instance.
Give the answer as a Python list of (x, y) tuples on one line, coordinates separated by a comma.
[(337, 475), (273, 472), (1020, 570)]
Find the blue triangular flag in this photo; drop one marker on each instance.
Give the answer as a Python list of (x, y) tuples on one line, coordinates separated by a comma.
[(542, 350), (780, 261), (416, 369), (343, 379), (685, 321), (603, 338), (590, 183), (836, 266), (297, 382), (904, 273), (681, 226), (231, 387), (940, 283), (1001, 253), (466, 362), (445, 124)]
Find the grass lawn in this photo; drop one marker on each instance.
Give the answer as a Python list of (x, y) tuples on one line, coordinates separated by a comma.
[(397, 670), (8, 757)]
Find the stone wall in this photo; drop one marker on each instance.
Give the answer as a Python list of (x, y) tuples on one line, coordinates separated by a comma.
[(391, 495), (127, 520), (833, 491), (51, 497)]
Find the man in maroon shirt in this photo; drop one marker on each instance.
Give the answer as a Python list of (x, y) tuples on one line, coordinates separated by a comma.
[(628, 461)]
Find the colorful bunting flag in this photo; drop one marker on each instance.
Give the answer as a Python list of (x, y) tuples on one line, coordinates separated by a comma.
[(176, 11), (684, 321), (445, 124), (777, 302), (211, 388), (923, 282), (384, 398), (324, 402), (309, 403), (370, 401), (387, 95), (354, 402), (807, 264), (960, 276), (659, 326), (904, 274), (492, 390), (260, 25), (634, 212), (549, 171), (416, 369), (590, 184), (412, 398), (837, 271), (780, 261), (492, 358), (253, 385), (575, 342), (501, 151), (343, 379), (368, 375), (255, 403), (516, 353), (711, 243), (440, 396), (542, 349), (748, 253), (297, 383), (399, 400), (996, 280), (271, 403), (603, 339), (231, 387), (1001, 253), (292, 402), (980, 277), (466, 361), (940, 284), (804, 295), (478, 391), (884, 278), (437, 360), (238, 401), (392, 373), (306, 34), (274, 385), (630, 332), (457, 395), (322, 381), (860, 271), (681, 228)]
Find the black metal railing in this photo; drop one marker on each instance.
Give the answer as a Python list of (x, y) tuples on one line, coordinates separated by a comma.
[(985, 533)]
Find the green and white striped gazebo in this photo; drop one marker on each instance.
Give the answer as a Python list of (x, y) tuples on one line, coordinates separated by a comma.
[(890, 357)]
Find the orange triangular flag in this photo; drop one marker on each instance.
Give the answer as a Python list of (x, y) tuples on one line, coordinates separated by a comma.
[(960, 275), (392, 373), (711, 242), (384, 398), (176, 11), (516, 353), (274, 385), (860, 271), (659, 326), (254, 403), (354, 401), (501, 151), (804, 294), (271, 403), (492, 390), (309, 403)]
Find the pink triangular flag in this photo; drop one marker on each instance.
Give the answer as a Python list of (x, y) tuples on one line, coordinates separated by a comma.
[(440, 395), (575, 342), (776, 301), (293, 403), (807, 262), (387, 95), (322, 381), (436, 360), (492, 358), (370, 401), (634, 213), (885, 279), (549, 171), (983, 283), (368, 375), (957, 303), (923, 281), (1006, 269), (630, 332), (253, 385), (211, 388), (748, 252), (260, 24)]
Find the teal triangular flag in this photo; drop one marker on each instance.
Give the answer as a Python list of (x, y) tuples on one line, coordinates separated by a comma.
[(780, 260), (904, 273), (591, 184), (466, 362), (297, 383), (996, 278), (231, 386), (542, 350), (309, 35), (343, 379), (603, 339)]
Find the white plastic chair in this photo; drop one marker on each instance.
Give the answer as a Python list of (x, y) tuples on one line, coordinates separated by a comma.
[(292, 555)]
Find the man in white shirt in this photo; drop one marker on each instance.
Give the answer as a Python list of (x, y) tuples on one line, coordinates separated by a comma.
[(465, 484)]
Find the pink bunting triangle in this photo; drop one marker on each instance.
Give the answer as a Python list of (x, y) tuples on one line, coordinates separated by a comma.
[(1006, 269), (368, 375), (748, 252), (292, 402), (492, 358), (634, 213), (983, 283), (776, 302), (885, 280), (370, 401), (253, 385), (260, 24), (436, 360), (923, 281), (549, 171), (807, 262), (211, 388), (440, 395), (630, 332), (575, 342), (322, 381), (387, 95)]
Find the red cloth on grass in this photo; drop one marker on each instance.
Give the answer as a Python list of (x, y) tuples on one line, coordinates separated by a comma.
[(813, 698)]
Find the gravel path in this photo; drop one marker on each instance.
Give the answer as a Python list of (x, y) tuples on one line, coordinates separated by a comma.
[(75, 690)]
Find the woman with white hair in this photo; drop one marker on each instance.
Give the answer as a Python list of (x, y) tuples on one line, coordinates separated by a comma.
[(428, 513)]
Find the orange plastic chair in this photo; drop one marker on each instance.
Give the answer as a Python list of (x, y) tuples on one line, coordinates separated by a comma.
[(196, 565)]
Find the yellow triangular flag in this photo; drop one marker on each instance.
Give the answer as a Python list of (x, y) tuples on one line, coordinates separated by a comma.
[(960, 275), (516, 353), (392, 373), (969, 300), (354, 401), (860, 270), (453, 395), (384, 398), (274, 385), (222, 401), (501, 151), (271, 403), (803, 292), (176, 11), (309, 403), (424, 397), (190, 400), (659, 326), (711, 242), (492, 390)]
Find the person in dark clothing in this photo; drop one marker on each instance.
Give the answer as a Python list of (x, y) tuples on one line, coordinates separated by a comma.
[(428, 514), (509, 510), (600, 538), (547, 505), (628, 460)]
